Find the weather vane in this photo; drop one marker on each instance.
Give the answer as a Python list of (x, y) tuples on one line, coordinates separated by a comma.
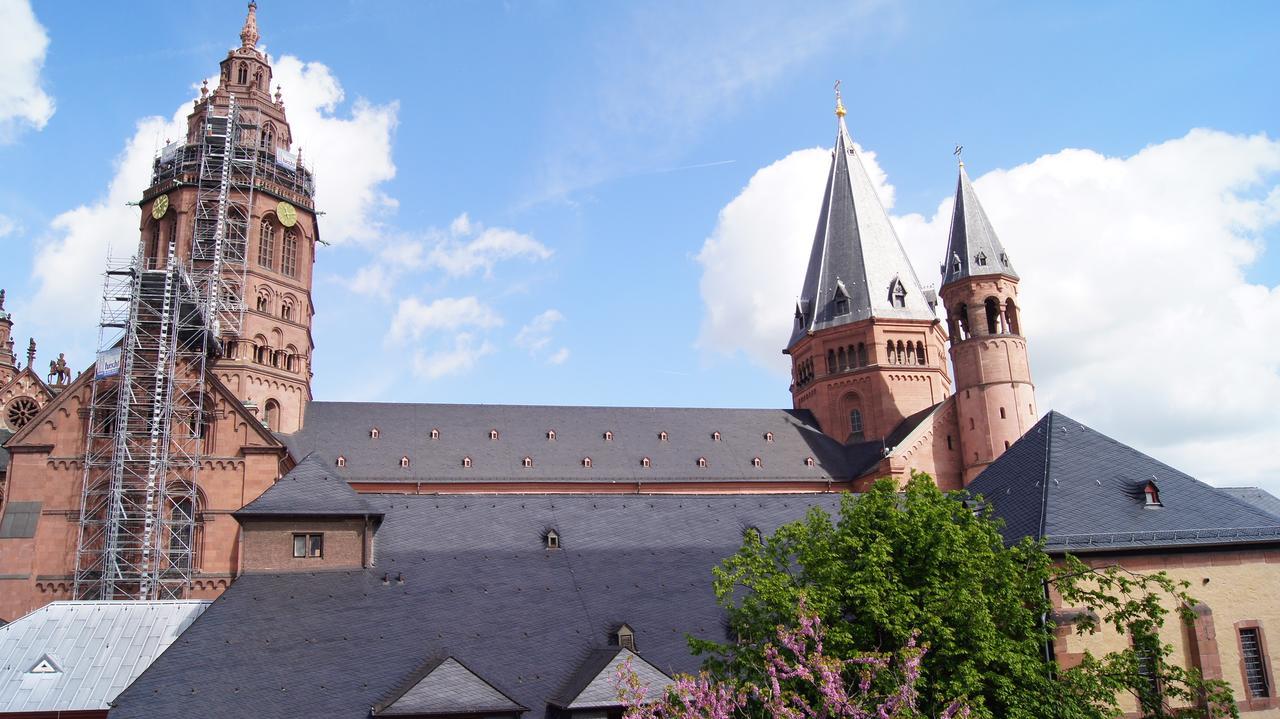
[(839, 102), (958, 153)]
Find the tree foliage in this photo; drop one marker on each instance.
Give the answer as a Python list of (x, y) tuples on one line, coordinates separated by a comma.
[(894, 565)]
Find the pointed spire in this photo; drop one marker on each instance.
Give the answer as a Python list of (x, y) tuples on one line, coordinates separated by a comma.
[(857, 267), (973, 250), (31, 352), (249, 33)]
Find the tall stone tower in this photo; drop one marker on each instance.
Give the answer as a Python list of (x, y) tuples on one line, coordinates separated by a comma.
[(867, 350), (267, 364), (995, 399), (8, 361)]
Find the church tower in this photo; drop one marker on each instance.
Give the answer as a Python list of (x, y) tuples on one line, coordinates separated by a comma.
[(266, 348), (995, 399), (867, 350), (8, 361)]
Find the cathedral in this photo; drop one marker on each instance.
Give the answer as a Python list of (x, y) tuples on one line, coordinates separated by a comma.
[(484, 560)]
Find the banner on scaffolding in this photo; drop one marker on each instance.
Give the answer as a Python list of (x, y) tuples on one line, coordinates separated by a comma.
[(286, 159), (108, 363)]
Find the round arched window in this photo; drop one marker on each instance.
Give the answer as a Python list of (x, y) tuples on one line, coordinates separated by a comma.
[(21, 411)]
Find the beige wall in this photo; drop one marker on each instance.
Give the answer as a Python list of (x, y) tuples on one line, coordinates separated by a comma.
[(268, 544), (1233, 587)]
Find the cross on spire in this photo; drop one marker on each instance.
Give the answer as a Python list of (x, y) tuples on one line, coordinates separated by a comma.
[(840, 112)]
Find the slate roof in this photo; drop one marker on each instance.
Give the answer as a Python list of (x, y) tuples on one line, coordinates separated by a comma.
[(4, 453), (331, 429), (855, 252), (972, 239), (1082, 491), (309, 489), (479, 587), (1258, 497), (594, 685), (97, 649), (445, 686)]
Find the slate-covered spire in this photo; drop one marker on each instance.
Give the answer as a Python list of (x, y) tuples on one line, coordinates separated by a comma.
[(857, 268), (973, 250)]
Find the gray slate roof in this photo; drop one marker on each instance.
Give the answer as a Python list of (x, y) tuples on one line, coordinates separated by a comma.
[(4, 453), (1082, 491), (594, 685), (972, 240), (445, 686), (855, 252), (96, 648), (1258, 497), (311, 489), (479, 587), (331, 429)]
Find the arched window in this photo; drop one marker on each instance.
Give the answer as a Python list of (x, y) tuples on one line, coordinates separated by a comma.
[(888, 352), (269, 137), (289, 254), (153, 252), (842, 360), (404, 462), (855, 426), (962, 320), (862, 354), (993, 315), (242, 74), (286, 311), (271, 414), (342, 461), (831, 361), (902, 353), (266, 244), (262, 303), (257, 78), (182, 529), (920, 356), (1011, 316)]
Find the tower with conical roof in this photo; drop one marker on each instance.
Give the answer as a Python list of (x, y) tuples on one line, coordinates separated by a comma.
[(867, 350), (995, 399)]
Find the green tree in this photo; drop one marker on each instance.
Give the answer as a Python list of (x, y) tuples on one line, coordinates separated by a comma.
[(896, 564)]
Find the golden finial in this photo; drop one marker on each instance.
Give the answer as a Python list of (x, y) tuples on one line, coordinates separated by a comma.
[(839, 103)]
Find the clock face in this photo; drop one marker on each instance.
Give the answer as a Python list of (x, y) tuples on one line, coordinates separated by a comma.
[(287, 214), (159, 207)]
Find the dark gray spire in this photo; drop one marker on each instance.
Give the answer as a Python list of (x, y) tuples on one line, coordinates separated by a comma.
[(857, 269), (973, 250)]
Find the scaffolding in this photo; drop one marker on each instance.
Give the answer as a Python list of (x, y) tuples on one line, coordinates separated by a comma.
[(161, 322)]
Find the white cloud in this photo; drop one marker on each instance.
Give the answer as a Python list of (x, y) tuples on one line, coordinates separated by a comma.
[(1139, 316), (535, 337), (413, 318), (467, 349), (350, 153), (23, 44), (7, 226)]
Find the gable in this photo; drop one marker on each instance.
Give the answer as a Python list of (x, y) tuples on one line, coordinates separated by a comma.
[(447, 687)]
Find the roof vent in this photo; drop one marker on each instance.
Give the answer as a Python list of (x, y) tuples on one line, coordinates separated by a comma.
[(756, 462), (527, 462), (608, 436), (47, 665), (373, 433), (493, 434), (662, 436), (644, 462), (342, 461), (586, 462), (625, 637), (466, 462), (404, 462), (435, 433), (715, 436), (702, 462), (808, 461), (768, 436), (551, 539), (551, 435)]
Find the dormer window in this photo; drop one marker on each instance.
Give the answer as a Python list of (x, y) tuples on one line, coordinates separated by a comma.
[(373, 433), (897, 293), (1151, 495), (662, 436), (527, 462), (342, 461), (755, 462), (1004, 259), (435, 434), (715, 436), (702, 463), (808, 461), (644, 462), (586, 462), (552, 539), (625, 637), (955, 262), (980, 259), (493, 434), (404, 462), (768, 436), (466, 463), (551, 435)]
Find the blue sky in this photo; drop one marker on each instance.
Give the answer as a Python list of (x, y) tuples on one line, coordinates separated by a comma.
[(614, 136)]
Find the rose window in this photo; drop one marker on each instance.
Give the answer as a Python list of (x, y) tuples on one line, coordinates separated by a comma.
[(21, 411)]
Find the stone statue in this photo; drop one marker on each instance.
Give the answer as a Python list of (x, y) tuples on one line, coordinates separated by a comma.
[(59, 372)]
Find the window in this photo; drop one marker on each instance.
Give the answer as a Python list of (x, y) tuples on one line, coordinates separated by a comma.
[(755, 462), (626, 638), (586, 462), (21, 411), (153, 253), (644, 462), (493, 434), (897, 293), (342, 461), (466, 463), (831, 361), (980, 259), (373, 433), (435, 434), (1257, 679), (902, 353), (242, 74), (289, 257), (286, 311), (527, 462), (1002, 413), (662, 436), (266, 244), (552, 539), (1146, 649), (842, 360), (993, 315), (608, 436), (949, 447), (862, 354), (702, 463), (182, 529), (271, 414), (888, 352), (715, 436), (768, 436), (269, 138), (855, 425), (808, 461), (19, 520), (920, 355), (551, 435), (1151, 495), (1011, 315), (262, 303), (1006, 444), (308, 546), (404, 462)]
